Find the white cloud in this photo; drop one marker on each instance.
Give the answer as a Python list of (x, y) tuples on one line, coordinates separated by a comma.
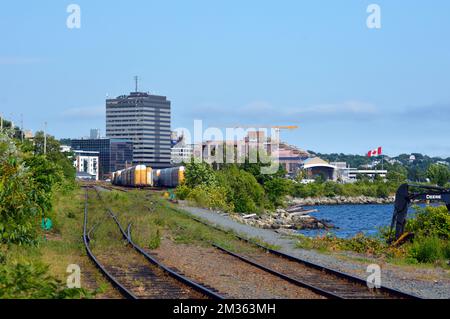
[(264, 113), (348, 107), (95, 112)]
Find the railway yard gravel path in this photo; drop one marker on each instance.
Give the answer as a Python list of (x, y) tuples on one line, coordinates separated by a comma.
[(231, 277), (423, 282)]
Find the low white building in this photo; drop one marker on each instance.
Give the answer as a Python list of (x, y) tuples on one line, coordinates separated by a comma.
[(86, 164), (182, 154), (347, 174), (65, 148)]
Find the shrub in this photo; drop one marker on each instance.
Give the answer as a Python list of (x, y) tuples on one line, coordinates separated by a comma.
[(155, 240), (31, 281), (276, 189), (446, 250), (363, 244), (182, 191), (426, 249), (242, 190), (382, 190), (199, 174), (211, 197), (332, 189), (438, 174), (430, 222), (20, 202)]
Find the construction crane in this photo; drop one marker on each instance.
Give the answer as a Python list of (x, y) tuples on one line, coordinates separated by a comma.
[(277, 128)]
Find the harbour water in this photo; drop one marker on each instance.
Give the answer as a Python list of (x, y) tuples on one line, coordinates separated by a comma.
[(352, 219)]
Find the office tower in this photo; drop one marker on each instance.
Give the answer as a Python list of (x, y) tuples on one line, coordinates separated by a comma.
[(144, 119)]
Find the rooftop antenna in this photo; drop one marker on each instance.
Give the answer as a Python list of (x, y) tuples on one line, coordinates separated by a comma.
[(136, 80)]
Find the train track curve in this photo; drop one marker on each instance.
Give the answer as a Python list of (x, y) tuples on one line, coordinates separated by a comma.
[(160, 281)]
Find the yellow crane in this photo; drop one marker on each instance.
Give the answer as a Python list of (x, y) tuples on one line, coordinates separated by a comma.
[(277, 128)]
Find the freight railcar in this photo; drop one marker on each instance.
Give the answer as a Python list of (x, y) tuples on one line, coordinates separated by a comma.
[(169, 177), (136, 176)]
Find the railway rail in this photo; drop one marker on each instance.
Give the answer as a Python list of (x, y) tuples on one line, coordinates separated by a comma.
[(156, 280), (322, 280)]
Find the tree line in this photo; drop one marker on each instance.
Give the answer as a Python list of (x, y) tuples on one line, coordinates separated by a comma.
[(28, 181)]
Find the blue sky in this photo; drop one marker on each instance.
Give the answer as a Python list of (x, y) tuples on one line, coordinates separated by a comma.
[(309, 63)]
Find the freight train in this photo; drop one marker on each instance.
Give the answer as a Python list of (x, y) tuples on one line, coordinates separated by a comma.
[(145, 176)]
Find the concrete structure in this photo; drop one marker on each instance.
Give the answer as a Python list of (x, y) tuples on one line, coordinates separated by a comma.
[(346, 174), (114, 154), (85, 176), (95, 134), (65, 148), (181, 151), (28, 135), (371, 173), (316, 166), (291, 158), (145, 120), (86, 163)]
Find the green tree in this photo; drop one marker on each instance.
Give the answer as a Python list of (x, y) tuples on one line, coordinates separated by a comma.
[(438, 174), (200, 174), (19, 205), (397, 173), (242, 189), (54, 154), (276, 189)]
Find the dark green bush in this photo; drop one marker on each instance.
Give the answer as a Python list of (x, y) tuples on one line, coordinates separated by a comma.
[(199, 174), (31, 281), (276, 190), (242, 189), (182, 191), (426, 249), (430, 222)]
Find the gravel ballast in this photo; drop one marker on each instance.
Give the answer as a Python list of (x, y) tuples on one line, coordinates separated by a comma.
[(230, 276), (423, 282)]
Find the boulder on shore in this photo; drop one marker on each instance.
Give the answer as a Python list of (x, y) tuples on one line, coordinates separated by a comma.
[(281, 219), (340, 200)]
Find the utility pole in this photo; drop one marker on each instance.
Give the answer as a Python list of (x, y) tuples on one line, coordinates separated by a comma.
[(45, 138), (1, 122), (21, 127)]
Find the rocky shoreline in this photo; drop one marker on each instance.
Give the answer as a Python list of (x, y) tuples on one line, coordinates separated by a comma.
[(296, 217), (341, 200), (285, 220)]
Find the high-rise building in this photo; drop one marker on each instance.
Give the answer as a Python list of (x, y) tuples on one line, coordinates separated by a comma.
[(114, 154), (144, 119), (95, 133)]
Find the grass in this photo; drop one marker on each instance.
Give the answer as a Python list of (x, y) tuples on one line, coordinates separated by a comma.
[(427, 252), (62, 247), (429, 245), (153, 217)]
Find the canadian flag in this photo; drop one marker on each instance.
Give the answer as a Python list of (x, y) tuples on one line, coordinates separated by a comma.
[(376, 152)]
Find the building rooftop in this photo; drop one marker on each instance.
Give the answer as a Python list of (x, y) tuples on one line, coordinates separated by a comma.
[(316, 162)]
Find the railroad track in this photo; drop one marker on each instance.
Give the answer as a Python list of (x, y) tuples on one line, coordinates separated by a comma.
[(322, 280), (145, 280), (319, 279)]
